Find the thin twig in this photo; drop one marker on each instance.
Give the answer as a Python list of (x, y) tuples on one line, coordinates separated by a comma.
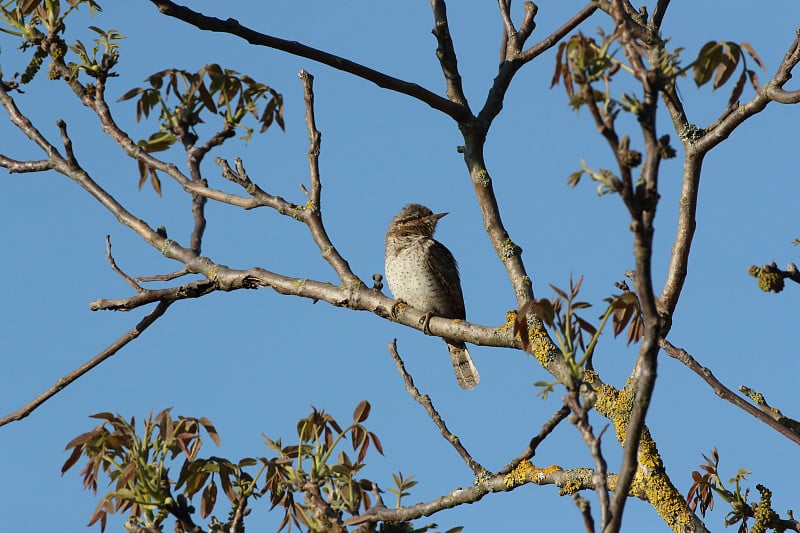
[(66, 380), (14, 166), (446, 54), (312, 214), (115, 268), (547, 428), (581, 421), (194, 289), (724, 392), (586, 512), (426, 402), (164, 277)]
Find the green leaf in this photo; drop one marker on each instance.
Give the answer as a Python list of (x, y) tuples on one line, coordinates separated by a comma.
[(707, 61)]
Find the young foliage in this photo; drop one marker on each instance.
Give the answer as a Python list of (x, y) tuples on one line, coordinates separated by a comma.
[(705, 485), (314, 480), (718, 60), (329, 486), (560, 314), (39, 23), (182, 97), (136, 464)]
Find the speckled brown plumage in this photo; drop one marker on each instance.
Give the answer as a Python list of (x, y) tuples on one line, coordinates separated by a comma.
[(422, 272)]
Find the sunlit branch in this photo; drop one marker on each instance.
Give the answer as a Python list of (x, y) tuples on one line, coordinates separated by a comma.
[(725, 393), (66, 380), (434, 415), (697, 144), (530, 451), (233, 27), (447, 55), (312, 216)]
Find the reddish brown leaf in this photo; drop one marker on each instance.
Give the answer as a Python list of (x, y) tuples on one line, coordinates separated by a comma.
[(376, 441), (558, 291), (586, 326), (205, 97), (154, 181), (754, 80), (361, 412), (208, 499), (726, 67), (362, 452), (738, 88), (81, 439), (72, 459), (27, 6), (752, 53), (358, 434)]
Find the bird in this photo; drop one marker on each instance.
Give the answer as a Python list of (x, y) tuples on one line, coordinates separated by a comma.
[(423, 273)]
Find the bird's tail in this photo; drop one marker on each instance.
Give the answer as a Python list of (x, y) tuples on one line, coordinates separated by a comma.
[(466, 373)]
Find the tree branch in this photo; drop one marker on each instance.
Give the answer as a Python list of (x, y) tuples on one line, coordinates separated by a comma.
[(312, 215), (66, 380), (581, 421), (232, 26), (446, 54), (725, 393), (434, 415), (547, 428), (697, 144), (567, 481)]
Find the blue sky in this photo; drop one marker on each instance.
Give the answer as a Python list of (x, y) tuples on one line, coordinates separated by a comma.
[(246, 360)]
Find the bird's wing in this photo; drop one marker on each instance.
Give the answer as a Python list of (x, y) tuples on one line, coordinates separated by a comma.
[(444, 265)]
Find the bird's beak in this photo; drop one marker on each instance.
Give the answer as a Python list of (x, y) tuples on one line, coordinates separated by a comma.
[(437, 216)]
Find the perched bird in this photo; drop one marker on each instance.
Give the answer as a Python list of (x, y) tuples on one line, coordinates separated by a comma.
[(424, 274)]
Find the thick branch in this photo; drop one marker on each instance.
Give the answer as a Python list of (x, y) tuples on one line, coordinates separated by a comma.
[(232, 26), (568, 482), (697, 144), (642, 208)]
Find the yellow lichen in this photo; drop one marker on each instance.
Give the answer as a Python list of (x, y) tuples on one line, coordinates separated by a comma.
[(509, 249), (575, 480), (519, 475), (511, 317), (541, 346), (527, 472), (650, 479), (667, 501)]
